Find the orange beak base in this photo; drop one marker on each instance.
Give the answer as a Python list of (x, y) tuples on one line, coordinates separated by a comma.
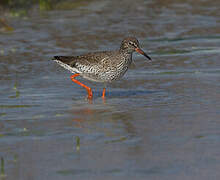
[(143, 53)]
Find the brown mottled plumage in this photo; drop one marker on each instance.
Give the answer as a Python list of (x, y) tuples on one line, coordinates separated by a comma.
[(105, 66)]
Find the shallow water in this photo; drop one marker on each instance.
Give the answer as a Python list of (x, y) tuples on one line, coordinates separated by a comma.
[(161, 121)]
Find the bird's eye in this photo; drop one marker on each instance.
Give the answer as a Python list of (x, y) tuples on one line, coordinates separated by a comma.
[(131, 43)]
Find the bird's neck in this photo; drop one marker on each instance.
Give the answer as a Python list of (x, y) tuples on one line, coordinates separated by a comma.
[(126, 52), (127, 56)]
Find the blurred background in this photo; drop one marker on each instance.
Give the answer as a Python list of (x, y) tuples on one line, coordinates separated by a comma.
[(160, 121)]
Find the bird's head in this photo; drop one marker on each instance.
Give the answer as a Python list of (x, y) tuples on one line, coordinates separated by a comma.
[(131, 44)]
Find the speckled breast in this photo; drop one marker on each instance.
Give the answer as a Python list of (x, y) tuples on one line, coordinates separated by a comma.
[(106, 72)]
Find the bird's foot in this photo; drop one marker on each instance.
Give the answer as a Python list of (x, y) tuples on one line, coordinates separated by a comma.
[(90, 94), (103, 93)]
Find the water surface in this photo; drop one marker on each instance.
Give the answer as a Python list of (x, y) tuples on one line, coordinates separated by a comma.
[(161, 121)]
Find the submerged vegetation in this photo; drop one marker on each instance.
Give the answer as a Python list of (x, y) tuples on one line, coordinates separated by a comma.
[(2, 172), (20, 7), (22, 4)]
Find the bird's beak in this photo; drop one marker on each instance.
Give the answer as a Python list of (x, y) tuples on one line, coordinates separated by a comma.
[(142, 52)]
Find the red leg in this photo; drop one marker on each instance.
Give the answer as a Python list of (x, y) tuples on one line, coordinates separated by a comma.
[(81, 84), (103, 93)]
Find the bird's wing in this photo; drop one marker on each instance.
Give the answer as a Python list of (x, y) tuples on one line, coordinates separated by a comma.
[(85, 60), (93, 58), (68, 60)]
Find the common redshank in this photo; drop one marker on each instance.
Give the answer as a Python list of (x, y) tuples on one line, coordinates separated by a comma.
[(105, 66)]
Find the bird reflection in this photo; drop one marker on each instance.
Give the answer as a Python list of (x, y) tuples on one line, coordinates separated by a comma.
[(105, 119)]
